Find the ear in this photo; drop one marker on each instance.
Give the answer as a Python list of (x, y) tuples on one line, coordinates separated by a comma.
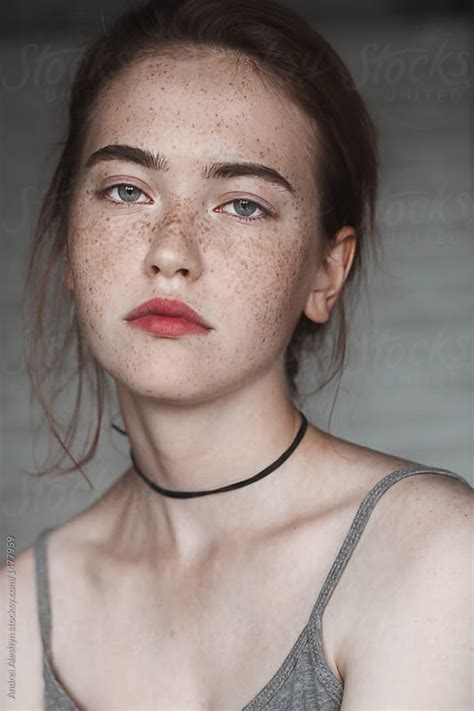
[(68, 280), (331, 275)]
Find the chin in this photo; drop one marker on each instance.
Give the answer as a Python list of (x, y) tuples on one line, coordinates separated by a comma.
[(165, 388)]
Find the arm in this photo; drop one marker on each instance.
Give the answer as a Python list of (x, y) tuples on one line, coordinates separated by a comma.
[(416, 653)]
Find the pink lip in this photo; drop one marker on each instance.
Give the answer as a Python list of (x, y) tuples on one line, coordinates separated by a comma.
[(167, 326), (167, 317)]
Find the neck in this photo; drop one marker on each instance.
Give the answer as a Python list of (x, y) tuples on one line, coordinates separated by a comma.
[(203, 447), (154, 486)]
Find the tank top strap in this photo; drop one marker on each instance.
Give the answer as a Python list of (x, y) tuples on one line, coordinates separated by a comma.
[(42, 588), (355, 531), (359, 523)]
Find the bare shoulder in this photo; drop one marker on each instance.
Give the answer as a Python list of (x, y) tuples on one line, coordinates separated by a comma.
[(410, 646), (426, 514), (416, 515), (412, 517), (423, 494), (22, 679), (22, 656)]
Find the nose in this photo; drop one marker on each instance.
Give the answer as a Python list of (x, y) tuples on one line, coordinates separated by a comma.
[(174, 246)]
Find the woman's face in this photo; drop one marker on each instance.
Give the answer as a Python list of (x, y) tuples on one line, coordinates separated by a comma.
[(177, 234)]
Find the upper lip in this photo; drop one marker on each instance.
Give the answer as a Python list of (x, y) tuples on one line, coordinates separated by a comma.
[(167, 307)]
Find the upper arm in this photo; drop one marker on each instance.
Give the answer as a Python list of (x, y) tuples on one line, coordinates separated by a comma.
[(21, 674), (415, 651)]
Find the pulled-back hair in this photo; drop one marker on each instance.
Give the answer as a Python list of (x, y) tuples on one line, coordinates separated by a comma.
[(285, 48)]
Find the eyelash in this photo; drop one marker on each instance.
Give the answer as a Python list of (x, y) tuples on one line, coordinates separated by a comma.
[(102, 194)]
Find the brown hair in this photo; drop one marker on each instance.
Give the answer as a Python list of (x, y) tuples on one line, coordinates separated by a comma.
[(281, 44)]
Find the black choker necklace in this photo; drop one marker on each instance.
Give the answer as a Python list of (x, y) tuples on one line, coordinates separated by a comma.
[(236, 485)]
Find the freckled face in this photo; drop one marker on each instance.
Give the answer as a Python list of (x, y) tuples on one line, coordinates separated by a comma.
[(175, 234)]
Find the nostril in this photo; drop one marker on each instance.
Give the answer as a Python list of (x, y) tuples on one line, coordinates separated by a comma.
[(183, 270)]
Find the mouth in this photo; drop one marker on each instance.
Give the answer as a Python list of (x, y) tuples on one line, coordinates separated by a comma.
[(167, 310)]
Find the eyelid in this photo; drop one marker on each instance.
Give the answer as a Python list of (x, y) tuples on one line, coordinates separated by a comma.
[(242, 195), (122, 180)]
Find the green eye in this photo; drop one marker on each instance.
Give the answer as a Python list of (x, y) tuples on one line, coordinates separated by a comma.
[(247, 206), (247, 209), (127, 193)]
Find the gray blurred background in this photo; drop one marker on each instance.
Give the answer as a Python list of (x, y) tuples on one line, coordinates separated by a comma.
[(407, 389)]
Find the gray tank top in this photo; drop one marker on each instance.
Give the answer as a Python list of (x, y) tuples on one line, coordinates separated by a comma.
[(304, 680)]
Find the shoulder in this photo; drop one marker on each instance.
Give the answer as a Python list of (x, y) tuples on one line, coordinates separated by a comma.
[(436, 487), (412, 519), (434, 514), (418, 496), (422, 512), (431, 514), (22, 678), (411, 645), (22, 656)]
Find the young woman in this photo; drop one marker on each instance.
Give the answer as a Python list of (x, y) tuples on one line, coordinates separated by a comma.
[(213, 202)]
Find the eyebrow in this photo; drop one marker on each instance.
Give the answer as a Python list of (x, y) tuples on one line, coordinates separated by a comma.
[(157, 162)]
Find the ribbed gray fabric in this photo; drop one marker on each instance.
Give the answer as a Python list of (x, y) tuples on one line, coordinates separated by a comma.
[(304, 681)]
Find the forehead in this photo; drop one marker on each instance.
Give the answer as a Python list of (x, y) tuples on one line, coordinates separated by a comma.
[(205, 107)]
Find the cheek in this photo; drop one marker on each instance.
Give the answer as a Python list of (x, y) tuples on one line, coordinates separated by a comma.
[(267, 288), (99, 249), (95, 263)]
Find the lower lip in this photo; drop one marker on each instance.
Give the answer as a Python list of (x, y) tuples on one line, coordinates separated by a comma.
[(167, 326)]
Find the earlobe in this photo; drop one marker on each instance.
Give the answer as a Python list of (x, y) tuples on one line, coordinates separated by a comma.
[(331, 275), (316, 308)]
